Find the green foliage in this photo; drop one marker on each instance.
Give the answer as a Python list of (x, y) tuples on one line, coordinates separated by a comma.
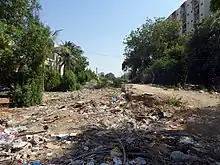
[(24, 44), (70, 55), (171, 68), (110, 76), (90, 75), (102, 83), (69, 81), (27, 94), (155, 51), (85, 75), (52, 80), (105, 83), (175, 101), (117, 82), (214, 5), (203, 53)]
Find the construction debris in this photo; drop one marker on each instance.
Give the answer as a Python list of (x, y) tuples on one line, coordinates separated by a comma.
[(96, 127)]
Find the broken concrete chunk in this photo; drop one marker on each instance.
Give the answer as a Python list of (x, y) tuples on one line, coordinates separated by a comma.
[(21, 145), (179, 156), (52, 146)]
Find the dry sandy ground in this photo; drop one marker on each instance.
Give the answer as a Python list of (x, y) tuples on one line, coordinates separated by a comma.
[(194, 98)]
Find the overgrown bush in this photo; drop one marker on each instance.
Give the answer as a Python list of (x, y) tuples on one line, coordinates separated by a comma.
[(27, 94), (69, 81), (174, 101), (117, 82), (90, 75), (102, 83), (52, 80)]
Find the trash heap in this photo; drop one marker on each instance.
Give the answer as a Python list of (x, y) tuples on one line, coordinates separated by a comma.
[(105, 128)]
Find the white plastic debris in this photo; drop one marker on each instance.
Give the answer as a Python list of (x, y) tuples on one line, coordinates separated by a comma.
[(91, 162), (186, 140), (138, 160), (117, 161), (122, 96), (6, 139), (15, 130)]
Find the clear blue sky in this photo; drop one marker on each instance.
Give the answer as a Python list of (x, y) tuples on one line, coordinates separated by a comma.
[(99, 26)]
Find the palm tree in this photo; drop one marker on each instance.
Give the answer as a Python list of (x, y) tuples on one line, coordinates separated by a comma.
[(68, 55)]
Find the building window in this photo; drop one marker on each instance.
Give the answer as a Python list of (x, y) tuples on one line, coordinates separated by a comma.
[(188, 14), (188, 23), (201, 14), (191, 20), (201, 3), (191, 11)]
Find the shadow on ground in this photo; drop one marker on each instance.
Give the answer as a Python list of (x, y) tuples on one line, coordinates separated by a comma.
[(204, 122), (197, 143)]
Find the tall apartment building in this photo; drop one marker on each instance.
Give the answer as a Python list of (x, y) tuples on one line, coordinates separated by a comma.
[(191, 12)]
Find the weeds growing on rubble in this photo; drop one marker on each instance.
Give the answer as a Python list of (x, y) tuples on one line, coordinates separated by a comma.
[(175, 101)]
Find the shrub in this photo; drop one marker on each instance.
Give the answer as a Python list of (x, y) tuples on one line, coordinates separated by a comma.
[(52, 80), (102, 83), (117, 82), (69, 81), (175, 101), (81, 77), (78, 86), (27, 94)]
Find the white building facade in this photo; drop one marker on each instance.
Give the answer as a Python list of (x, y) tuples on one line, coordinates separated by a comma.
[(191, 12)]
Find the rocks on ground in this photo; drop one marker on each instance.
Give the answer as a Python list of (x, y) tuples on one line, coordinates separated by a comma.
[(90, 127)]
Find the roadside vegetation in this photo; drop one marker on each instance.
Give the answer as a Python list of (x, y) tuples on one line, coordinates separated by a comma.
[(155, 53)]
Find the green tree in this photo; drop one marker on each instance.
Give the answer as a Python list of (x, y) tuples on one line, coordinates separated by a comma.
[(149, 51), (70, 55), (65, 57), (110, 76), (69, 81), (214, 5), (203, 53), (25, 43), (52, 79)]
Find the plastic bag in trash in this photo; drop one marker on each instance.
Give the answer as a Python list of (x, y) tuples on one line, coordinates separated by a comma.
[(114, 99), (117, 161), (6, 139)]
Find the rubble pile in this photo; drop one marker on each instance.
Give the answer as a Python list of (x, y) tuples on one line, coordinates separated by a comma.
[(101, 127)]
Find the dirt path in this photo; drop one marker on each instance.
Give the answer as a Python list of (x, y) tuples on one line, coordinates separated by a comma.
[(194, 98)]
